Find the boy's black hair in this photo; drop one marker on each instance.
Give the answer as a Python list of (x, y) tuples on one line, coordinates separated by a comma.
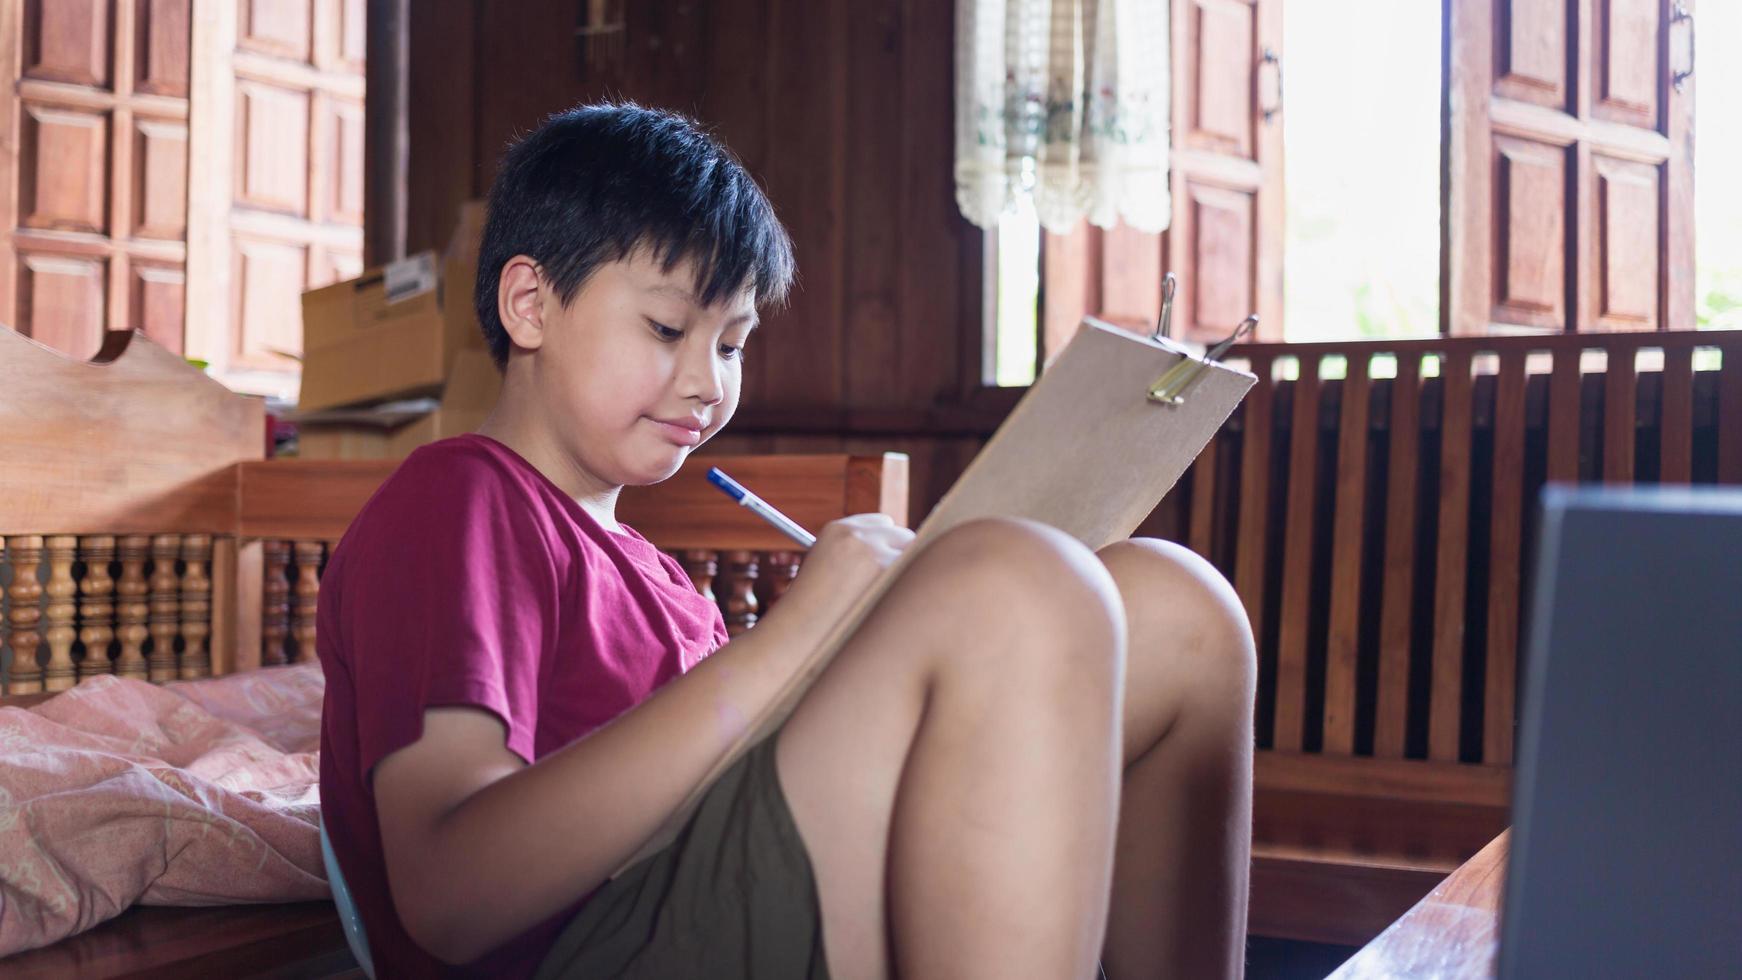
[(593, 184)]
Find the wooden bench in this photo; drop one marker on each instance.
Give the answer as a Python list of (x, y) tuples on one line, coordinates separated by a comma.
[(1373, 504), (147, 536)]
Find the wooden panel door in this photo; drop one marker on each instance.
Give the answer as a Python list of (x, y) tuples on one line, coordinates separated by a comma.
[(93, 196), (1226, 241), (1225, 244), (1569, 181), (276, 201)]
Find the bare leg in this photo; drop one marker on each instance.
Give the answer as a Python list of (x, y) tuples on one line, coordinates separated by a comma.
[(955, 772), (1185, 822)]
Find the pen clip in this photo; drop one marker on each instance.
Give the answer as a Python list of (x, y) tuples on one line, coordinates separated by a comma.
[(1170, 388)]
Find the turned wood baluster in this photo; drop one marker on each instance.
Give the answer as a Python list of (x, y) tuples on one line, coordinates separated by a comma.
[(57, 614), (131, 610), (781, 567), (25, 552), (96, 604), (741, 605), (702, 566), (196, 606), (165, 607), (275, 607), (308, 590)]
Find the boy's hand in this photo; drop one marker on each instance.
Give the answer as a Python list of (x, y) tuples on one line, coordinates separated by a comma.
[(848, 555)]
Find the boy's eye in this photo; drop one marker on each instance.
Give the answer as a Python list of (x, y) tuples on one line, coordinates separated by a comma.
[(729, 352), (664, 332)]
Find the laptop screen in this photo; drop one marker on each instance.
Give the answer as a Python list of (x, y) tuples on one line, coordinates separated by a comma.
[(1626, 851)]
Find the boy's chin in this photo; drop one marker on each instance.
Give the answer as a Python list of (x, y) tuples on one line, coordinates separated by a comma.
[(659, 470)]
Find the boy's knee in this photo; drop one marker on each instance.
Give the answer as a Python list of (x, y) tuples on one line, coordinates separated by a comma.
[(1147, 569), (1035, 581)]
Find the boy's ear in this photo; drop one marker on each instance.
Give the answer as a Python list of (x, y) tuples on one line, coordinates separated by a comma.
[(519, 302)]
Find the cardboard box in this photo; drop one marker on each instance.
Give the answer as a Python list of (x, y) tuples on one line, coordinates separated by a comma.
[(339, 440), (473, 384), (467, 398), (396, 330)]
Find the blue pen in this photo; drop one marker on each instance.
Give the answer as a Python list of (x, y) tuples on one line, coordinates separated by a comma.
[(756, 505)]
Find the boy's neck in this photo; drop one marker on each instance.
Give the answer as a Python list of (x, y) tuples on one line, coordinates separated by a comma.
[(529, 435)]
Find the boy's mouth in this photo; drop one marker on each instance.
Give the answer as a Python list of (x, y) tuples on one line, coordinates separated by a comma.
[(684, 432)]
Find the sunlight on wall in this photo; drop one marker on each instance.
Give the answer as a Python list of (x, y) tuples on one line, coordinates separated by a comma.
[(1718, 167), (1361, 158)]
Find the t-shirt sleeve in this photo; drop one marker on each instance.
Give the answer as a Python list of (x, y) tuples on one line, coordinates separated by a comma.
[(450, 598)]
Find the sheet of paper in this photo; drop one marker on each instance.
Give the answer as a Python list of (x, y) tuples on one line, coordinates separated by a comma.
[(1085, 451)]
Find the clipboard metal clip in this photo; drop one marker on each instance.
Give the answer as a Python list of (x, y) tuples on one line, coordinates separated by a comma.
[(1164, 323), (1170, 388)]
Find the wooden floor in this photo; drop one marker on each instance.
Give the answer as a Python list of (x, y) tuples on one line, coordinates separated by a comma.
[(300, 941)]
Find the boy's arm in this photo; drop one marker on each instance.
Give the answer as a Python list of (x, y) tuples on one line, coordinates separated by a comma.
[(480, 846)]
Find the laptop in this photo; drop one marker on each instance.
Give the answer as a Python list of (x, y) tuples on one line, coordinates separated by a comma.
[(1626, 850)]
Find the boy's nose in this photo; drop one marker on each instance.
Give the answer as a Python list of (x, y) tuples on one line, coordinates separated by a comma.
[(701, 378)]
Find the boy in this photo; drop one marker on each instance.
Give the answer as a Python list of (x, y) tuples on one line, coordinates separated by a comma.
[(520, 690)]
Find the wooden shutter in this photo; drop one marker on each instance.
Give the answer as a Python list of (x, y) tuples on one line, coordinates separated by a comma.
[(276, 201), (93, 188), (1225, 243), (1569, 178)]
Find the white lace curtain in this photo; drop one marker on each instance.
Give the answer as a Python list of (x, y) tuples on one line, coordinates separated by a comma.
[(1066, 102)]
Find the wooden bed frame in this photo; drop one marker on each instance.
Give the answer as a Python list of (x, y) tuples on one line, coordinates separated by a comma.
[(167, 547)]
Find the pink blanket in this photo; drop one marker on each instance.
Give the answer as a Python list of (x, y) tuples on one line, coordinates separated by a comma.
[(119, 791)]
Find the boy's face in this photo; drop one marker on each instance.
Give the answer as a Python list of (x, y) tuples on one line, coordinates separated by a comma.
[(634, 372)]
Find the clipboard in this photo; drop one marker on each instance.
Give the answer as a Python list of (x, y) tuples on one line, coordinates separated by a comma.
[(1091, 449)]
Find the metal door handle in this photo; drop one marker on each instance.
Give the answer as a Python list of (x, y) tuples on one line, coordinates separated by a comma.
[(1678, 13), (1272, 59)]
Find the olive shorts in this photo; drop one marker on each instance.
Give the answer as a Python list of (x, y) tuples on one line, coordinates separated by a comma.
[(732, 897)]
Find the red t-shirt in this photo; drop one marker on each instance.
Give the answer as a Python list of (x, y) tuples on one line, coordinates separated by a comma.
[(471, 579)]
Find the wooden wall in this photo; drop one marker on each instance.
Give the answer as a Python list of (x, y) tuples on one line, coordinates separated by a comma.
[(843, 109)]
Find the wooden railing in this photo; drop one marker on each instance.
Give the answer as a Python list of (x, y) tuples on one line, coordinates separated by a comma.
[(81, 605), (291, 590), (745, 584), (144, 605)]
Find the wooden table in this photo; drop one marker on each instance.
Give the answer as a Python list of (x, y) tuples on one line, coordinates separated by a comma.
[(1452, 933)]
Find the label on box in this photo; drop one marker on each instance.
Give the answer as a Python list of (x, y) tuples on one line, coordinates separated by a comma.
[(410, 277)]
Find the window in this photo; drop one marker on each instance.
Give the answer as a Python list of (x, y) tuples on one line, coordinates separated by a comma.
[(1015, 333), (1717, 159), (1361, 252)]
